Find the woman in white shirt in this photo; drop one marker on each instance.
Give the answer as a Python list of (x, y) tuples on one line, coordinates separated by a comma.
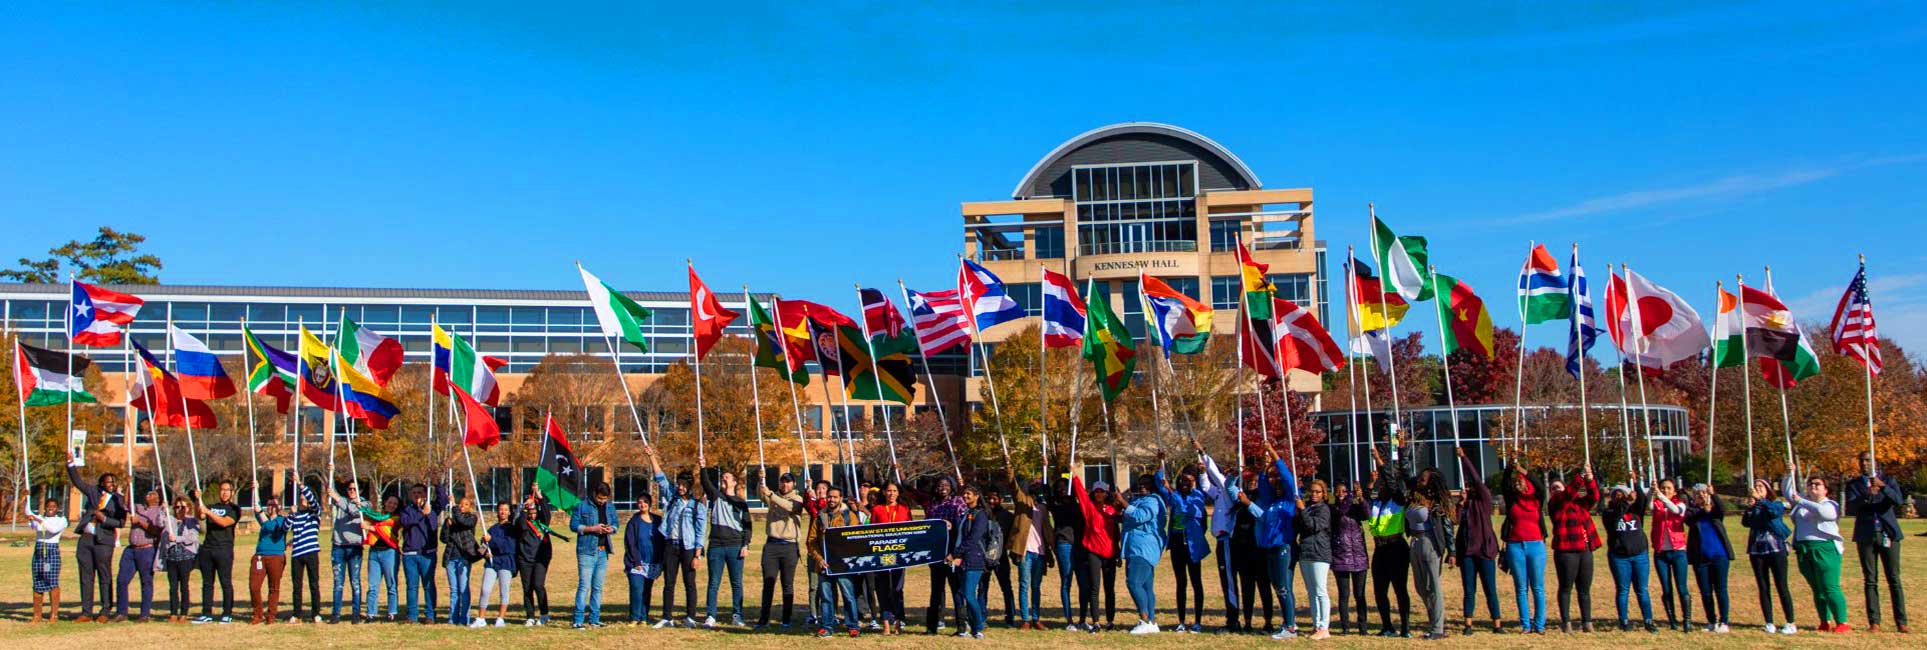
[(46, 559), (1816, 542)]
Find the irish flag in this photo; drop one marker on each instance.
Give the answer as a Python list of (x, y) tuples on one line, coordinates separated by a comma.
[(1729, 345), (46, 377), (1402, 260), (619, 316)]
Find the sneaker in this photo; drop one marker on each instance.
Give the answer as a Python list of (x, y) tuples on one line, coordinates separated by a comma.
[(736, 620), (317, 619), (1722, 629), (689, 622), (202, 620), (576, 626), (226, 620), (1321, 634), (1789, 629), (854, 633), (1145, 628), (664, 623), (1841, 628), (1284, 633), (978, 636), (821, 632), (477, 624), (709, 623), (965, 634)]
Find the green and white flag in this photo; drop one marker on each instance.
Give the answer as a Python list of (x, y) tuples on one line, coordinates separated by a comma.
[(618, 314), (44, 377), (1729, 333), (1403, 260)]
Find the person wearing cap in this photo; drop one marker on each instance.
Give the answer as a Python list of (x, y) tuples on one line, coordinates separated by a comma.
[(1817, 543), (783, 527), (1709, 553), (1767, 544), (1100, 552), (1623, 517), (1873, 501)]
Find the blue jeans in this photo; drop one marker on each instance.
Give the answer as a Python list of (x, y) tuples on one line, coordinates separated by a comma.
[(973, 599), (1278, 566), (1711, 576), (346, 563), (731, 558), (639, 592), (458, 574), (828, 589), (590, 569), (420, 573), (1672, 569), (1030, 594), (1472, 572), (1630, 574), (381, 571), (1528, 562), (1139, 579), (1064, 574)]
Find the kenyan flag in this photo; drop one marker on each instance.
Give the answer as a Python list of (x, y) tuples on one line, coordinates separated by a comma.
[(558, 475), (1107, 344), (46, 377)]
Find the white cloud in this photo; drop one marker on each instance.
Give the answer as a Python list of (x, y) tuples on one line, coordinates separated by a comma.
[(1900, 308), (1728, 187)]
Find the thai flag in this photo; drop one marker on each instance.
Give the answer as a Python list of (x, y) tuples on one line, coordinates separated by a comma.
[(98, 314), (984, 297), (200, 372), (1063, 312), (1584, 329)]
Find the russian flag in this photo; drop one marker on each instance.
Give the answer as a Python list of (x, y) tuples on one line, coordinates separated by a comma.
[(984, 297), (161, 398), (1063, 312), (200, 372), (96, 315)]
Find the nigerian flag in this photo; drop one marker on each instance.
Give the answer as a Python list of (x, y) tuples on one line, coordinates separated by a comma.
[(1107, 344), (1402, 260), (619, 315)]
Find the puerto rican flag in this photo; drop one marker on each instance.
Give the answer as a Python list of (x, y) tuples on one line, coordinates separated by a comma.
[(96, 315), (1063, 312), (940, 320), (984, 297)]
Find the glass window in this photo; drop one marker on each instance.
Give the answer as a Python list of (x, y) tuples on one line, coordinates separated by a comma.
[(353, 312), (491, 315), (1029, 296), (529, 316), (417, 314), (381, 314), (669, 316), (310, 314), (1224, 236), (447, 316), (566, 315), (669, 345), (565, 345), (267, 313), (813, 419), (1049, 242), (1225, 290), (491, 344), (189, 311), (28, 309), (530, 344)]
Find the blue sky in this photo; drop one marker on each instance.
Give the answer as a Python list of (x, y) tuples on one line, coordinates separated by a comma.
[(800, 148)]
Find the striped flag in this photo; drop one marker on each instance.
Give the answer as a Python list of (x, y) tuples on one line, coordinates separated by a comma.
[(1542, 291), (44, 378), (200, 372), (940, 320), (273, 371), (1063, 312), (880, 316), (985, 297), (457, 364), (1584, 330), (374, 355), (96, 315), (1853, 327)]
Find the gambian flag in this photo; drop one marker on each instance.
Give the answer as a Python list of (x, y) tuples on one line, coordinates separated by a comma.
[(1107, 343), (1542, 291), (557, 474), (619, 315), (1772, 333), (769, 344), (1468, 326), (374, 355), (1728, 329), (1403, 260), (1256, 286), (273, 371), (44, 379), (1182, 323)]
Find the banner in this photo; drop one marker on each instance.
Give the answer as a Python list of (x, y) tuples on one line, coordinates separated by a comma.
[(882, 547)]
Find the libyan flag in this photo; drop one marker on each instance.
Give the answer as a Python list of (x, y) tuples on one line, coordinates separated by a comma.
[(45, 377), (1107, 344), (557, 475), (893, 379)]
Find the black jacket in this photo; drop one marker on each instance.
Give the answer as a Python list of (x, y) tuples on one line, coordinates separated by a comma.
[(112, 516), (1694, 516), (1625, 525), (1314, 532), (1873, 512)]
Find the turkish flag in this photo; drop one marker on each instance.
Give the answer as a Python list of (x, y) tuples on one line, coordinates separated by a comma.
[(478, 426), (706, 315)]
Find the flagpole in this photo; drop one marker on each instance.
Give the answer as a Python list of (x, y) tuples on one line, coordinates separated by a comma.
[(1866, 365), (795, 407), (194, 461), (697, 354), (254, 464), (1578, 341), (1371, 436), (1786, 420), (756, 402), (68, 327), (1746, 381), (1238, 375), (1351, 308), (1519, 371), (1157, 408), (341, 399), (1043, 389), (876, 375), (300, 364), (1451, 404), (26, 471), (931, 381), (1625, 420), (823, 373), (127, 443), (1645, 415), (1391, 359), (1713, 388), (154, 439), (976, 338)]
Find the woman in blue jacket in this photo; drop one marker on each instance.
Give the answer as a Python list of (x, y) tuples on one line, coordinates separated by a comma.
[(1766, 549), (967, 556), (642, 545), (1187, 540), (1278, 494), (1142, 525)]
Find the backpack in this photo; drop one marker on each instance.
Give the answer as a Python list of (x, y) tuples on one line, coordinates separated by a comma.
[(993, 540)]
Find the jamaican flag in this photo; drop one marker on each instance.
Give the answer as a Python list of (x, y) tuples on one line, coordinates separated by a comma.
[(893, 371), (1107, 344), (557, 475), (769, 345)]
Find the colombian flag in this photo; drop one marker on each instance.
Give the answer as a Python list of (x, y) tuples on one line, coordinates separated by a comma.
[(362, 397)]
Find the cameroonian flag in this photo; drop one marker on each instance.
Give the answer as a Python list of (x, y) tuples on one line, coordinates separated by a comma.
[(1182, 323), (1729, 332), (1107, 344), (769, 344), (457, 362), (619, 315), (273, 371), (1468, 325), (1403, 260), (557, 475), (1257, 288), (894, 379), (45, 377)]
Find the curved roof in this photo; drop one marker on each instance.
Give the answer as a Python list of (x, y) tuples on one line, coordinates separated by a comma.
[(1213, 155)]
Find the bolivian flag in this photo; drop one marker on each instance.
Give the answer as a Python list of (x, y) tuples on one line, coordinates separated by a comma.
[(1107, 344)]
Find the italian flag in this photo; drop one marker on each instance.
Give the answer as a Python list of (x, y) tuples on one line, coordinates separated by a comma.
[(44, 379), (619, 316), (1402, 260), (374, 355), (1729, 333), (458, 365)]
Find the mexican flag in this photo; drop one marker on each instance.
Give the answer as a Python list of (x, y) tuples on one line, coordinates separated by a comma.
[(1107, 344), (44, 379), (618, 314), (557, 474), (374, 355), (1468, 325), (1403, 261), (1728, 345), (769, 344)]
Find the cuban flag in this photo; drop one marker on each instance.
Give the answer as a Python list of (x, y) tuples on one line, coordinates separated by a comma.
[(1063, 312), (984, 297), (200, 372), (96, 315), (1584, 329)]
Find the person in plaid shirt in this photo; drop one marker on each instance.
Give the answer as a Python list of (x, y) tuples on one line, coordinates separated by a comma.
[(1574, 538)]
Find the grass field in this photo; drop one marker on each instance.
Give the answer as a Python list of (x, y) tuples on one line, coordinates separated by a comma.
[(15, 601)]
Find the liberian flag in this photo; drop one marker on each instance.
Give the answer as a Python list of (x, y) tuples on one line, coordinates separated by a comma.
[(1543, 293), (98, 314), (457, 364), (1771, 332), (619, 315), (1303, 343), (1729, 332), (940, 320), (200, 371), (44, 377), (1063, 312), (706, 315), (372, 354), (984, 297), (160, 396), (1584, 330), (1182, 323), (273, 371), (1403, 260)]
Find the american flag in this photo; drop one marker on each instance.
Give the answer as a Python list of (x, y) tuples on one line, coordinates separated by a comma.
[(879, 316), (940, 320), (1853, 327)]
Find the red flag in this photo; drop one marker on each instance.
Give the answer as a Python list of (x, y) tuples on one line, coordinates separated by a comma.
[(706, 315), (1258, 347), (479, 428)]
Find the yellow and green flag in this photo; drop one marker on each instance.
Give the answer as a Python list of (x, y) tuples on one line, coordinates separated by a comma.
[(1107, 344)]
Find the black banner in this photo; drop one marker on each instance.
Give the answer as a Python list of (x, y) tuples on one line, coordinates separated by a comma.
[(882, 547)]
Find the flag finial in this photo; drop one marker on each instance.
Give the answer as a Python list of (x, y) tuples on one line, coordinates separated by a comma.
[(1863, 259)]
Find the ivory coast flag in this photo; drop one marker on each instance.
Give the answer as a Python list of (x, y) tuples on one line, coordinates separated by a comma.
[(1468, 325), (1403, 260), (618, 314), (45, 377), (1107, 343), (1729, 333)]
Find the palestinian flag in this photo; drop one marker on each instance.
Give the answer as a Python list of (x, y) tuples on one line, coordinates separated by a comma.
[(44, 378), (769, 344), (273, 371), (619, 315), (1404, 262), (1107, 343), (1729, 349), (1376, 310), (1257, 288), (1772, 333), (1468, 325), (890, 378), (557, 475)]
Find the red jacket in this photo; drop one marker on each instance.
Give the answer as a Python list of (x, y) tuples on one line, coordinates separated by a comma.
[(1100, 522), (1573, 529)]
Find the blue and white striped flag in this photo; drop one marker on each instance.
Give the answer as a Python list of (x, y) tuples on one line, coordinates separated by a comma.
[(1580, 336)]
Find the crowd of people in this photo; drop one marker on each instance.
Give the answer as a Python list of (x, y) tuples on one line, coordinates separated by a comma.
[(1254, 527)]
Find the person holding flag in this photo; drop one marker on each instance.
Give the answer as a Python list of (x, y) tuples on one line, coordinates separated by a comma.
[(707, 318)]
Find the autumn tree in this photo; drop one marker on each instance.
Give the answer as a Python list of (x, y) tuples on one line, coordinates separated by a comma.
[(1479, 379), (729, 412), (111, 257), (1284, 416), (46, 451)]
